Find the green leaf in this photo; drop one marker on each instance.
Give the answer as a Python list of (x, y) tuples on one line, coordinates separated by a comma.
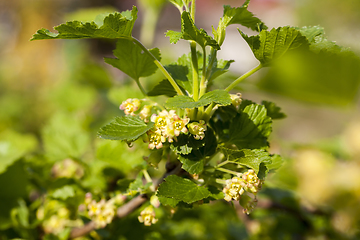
[(221, 97), (190, 32), (13, 146), (243, 17), (192, 153), (219, 68), (251, 127), (273, 111), (115, 25), (64, 192), (192, 166), (318, 42), (311, 32), (182, 189), (271, 45), (249, 158), (174, 36), (64, 138), (181, 71), (132, 60), (276, 162), (168, 201), (127, 128), (163, 88)]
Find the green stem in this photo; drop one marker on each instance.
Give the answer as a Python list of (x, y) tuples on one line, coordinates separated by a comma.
[(195, 69), (227, 171), (141, 87), (211, 62), (241, 78), (148, 179), (203, 82), (186, 6), (221, 181), (147, 32), (223, 163), (193, 9), (160, 66)]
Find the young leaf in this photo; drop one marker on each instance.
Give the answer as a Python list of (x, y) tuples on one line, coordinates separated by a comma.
[(240, 16), (271, 45), (221, 97), (243, 17), (273, 111), (247, 157), (190, 32), (191, 166), (168, 201), (182, 189), (127, 128), (115, 25), (219, 68), (163, 88), (251, 127), (132, 60)]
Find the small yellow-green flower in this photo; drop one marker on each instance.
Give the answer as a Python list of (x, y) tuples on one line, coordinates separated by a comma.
[(130, 106), (147, 216), (197, 129)]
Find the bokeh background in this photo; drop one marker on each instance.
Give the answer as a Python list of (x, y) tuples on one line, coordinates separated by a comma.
[(55, 95)]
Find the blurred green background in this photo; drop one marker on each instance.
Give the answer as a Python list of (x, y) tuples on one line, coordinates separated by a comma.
[(54, 96)]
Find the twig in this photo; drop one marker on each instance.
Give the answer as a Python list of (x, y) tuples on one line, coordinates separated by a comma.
[(127, 208)]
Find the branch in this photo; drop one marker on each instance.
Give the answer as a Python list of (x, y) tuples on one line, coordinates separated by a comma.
[(127, 208)]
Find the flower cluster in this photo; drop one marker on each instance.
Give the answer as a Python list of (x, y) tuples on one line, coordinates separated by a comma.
[(102, 212), (198, 129), (147, 216), (55, 217), (236, 186), (67, 168), (130, 106), (167, 126)]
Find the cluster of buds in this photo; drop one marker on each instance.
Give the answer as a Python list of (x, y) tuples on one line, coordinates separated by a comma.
[(167, 126), (67, 169), (198, 129), (236, 99), (237, 186), (55, 217), (102, 212), (147, 216), (130, 106)]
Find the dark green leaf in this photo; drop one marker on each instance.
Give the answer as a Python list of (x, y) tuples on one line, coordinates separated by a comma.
[(221, 97), (174, 36), (168, 201), (272, 110), (243, 17), (182, 189), (163, 88), (132, 60), (115, 25), (249, 158), (181, 71), (127, 128), (276, 162), (190, 32), (192, 166), (251, 127), (271, 45), (219, 67)]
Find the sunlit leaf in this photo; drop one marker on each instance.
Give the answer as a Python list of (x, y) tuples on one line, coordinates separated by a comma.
[(182, 189)]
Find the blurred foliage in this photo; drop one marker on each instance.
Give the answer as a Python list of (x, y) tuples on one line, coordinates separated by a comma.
[(48, 117)]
